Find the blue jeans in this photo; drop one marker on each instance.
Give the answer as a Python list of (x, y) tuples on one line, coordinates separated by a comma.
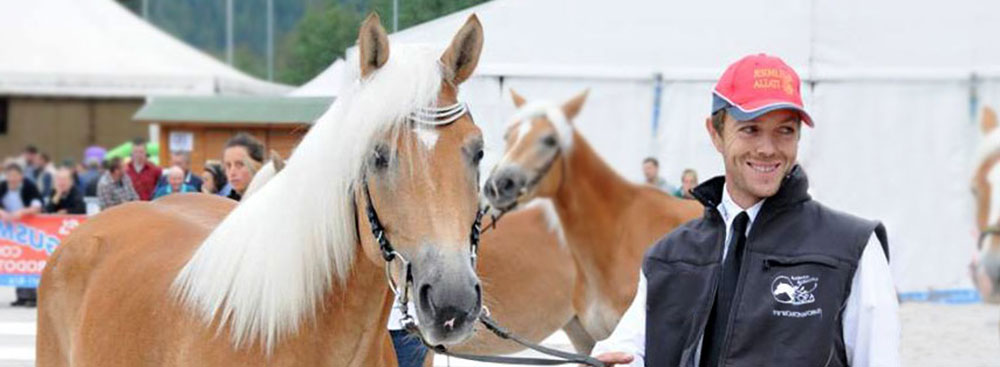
[(410, 352)]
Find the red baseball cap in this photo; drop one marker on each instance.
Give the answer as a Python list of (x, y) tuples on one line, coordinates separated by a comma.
[(758, 84)]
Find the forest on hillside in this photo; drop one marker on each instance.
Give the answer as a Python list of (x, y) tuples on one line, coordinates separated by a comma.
[(308, 34)]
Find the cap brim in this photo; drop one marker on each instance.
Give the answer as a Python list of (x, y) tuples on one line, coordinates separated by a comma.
[(740, 114)]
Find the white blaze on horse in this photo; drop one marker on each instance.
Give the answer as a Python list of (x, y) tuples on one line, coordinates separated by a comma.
[(293, 276), (608, 221), (986, 265)]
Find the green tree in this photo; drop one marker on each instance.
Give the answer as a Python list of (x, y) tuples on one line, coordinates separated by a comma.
[(319, 39), (328, 29)]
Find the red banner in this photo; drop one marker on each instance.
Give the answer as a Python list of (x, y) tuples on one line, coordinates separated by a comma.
[(26, 244)]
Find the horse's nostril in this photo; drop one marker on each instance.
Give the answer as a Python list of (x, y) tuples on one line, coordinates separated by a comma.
[(425, 298), (506, 184), (491, 191)]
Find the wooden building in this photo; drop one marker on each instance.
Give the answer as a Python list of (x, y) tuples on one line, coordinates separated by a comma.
[(202, 125)]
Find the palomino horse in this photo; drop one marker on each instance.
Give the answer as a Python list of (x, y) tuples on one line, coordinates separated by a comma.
[(294, 275), (608, 221), (986, 266), (525, 269)]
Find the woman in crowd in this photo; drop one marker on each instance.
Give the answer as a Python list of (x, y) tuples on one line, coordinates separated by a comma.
[(213, 178)]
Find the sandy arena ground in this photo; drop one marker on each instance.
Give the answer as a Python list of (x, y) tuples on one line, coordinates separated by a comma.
[(934, 335)]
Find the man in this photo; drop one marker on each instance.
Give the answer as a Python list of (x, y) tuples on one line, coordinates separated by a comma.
[(768, 277), (182, 160), (65, 197), (18, 199), (115, 187), (689, 179), (241, 158), (175, 183), (142, 173), (651, 170), (44, 173), (91, 173), (29, 157)]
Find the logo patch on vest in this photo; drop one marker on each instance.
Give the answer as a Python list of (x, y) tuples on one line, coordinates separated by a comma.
[(794, 290)]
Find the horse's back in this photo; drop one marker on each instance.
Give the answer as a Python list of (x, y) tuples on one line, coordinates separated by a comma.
[(121, 262)]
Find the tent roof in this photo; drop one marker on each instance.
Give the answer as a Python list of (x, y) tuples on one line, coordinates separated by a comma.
[(326, 84), (97, 48), (823, 39), (234, 109)]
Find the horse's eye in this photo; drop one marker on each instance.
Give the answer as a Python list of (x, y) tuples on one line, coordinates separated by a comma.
[(380, 159), (550, 141), (478, 157)]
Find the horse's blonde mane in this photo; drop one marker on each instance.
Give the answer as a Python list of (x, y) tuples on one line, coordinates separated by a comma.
[(554, 113), (267, 266)]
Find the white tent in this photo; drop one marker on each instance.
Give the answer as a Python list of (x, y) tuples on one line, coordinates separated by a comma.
[(326, 84), (97, 48), (894, 86)]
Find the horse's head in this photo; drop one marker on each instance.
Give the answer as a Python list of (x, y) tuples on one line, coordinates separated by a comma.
[(538, 138), (420, 179)]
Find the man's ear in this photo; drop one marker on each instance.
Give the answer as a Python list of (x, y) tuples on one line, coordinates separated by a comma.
[(716, 136)]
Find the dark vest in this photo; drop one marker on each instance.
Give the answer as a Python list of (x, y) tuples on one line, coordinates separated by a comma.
[(793, 285)]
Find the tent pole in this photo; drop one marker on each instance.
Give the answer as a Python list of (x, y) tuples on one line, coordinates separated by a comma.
[(229, 32), (270, 40)]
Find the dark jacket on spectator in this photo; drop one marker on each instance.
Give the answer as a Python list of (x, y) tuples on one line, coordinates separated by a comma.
[(71, 201), (29, 192)]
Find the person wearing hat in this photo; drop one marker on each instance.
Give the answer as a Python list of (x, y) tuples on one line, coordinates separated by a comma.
[(768, 276)]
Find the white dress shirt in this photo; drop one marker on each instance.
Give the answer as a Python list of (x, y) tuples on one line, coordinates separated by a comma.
[(870, 323)]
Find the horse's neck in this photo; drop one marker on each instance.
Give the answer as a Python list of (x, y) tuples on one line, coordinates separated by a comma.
[(350, 327), (591, 201)]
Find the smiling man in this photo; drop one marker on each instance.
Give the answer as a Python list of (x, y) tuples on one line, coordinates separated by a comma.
[(768, 276)]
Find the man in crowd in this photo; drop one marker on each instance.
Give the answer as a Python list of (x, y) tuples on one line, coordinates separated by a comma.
[(65, 198), (174, 183), (689, 179), (651, 170), (142, 173), (183, 161), (91, 172), (242, 157), (29, 160), (115, 187), (18, 199), (768, 276)]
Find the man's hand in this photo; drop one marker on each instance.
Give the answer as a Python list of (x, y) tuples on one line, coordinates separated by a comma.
[(614, 358), (4, 215)]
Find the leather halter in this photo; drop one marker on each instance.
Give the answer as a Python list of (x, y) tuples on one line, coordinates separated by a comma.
[(440, 117)]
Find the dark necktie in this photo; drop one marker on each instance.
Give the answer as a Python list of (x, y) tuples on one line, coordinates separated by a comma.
[(718, 320)]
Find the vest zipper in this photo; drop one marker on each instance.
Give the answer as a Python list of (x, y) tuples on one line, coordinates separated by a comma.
[(734, 308), (700, 340), (772, 262)]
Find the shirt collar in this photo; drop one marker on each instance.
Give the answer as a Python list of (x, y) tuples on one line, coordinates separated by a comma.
[(729, 209)]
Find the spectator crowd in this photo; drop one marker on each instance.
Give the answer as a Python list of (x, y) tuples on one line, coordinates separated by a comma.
[(31, 184)]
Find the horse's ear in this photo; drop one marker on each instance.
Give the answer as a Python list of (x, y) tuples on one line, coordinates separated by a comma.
[(988, 121), (462, 55), (572, 107), (374, 45), (518, 100), (277, 160)]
